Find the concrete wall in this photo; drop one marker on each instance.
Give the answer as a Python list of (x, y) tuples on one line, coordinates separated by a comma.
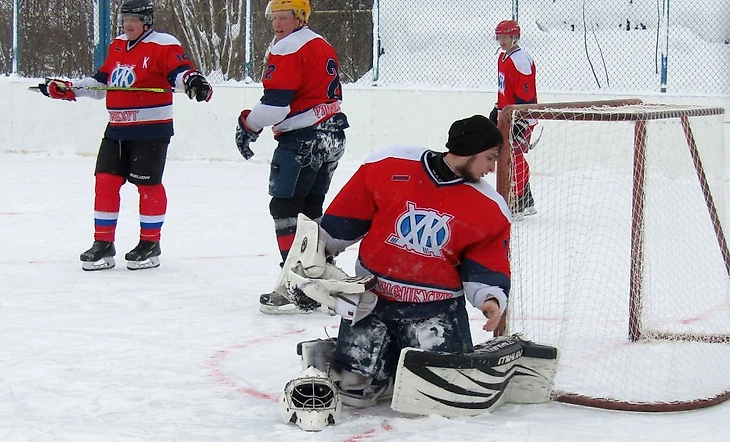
[(32, 123)]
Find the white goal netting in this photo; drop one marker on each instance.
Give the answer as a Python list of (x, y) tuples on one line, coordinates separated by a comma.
[(624, 267)]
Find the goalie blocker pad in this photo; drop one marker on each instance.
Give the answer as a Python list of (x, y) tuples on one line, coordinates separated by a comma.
[(507, 369)]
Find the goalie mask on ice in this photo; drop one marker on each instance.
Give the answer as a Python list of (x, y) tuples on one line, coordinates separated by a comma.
[(311, 401), (310, 280)]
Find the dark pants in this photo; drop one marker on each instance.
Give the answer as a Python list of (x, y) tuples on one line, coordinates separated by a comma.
[(372, 346), (301, 172), (137, 161)]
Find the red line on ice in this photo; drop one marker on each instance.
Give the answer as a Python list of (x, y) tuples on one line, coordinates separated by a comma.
[(214, 364), (369, 433)]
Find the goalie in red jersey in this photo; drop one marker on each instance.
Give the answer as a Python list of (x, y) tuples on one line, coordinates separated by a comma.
[(433, 237), (420, 218)]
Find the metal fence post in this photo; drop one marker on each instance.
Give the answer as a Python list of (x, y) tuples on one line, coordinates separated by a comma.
[(376, 41), (247, 43), (516, 10), (102, 25), (665, 50), (16, 36)]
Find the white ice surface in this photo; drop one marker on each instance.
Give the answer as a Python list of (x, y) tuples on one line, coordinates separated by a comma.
[(181, 352)]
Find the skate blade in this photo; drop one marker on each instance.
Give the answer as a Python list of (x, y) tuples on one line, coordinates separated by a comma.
[(286, 309), (102, 264), (150, 263), (289, 309)]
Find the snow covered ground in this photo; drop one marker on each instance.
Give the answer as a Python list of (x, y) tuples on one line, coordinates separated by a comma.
[(181, 352)]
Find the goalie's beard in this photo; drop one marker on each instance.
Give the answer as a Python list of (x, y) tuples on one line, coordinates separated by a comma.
[(465, 171)]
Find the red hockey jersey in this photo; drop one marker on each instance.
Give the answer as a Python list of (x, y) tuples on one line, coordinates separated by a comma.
[(154, 60), (301, 84), (424, 239), (516, 78)]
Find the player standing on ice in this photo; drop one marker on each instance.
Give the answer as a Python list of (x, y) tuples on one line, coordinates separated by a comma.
[(301, 101), (134, 146), (420, 216), (516, 77)]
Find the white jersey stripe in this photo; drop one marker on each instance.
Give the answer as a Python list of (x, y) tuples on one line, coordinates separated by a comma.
[(133, 116)]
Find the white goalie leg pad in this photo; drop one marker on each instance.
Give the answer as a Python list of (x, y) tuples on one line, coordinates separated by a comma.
[(307, 250), (311, 401), (507, 369), (348, 297)]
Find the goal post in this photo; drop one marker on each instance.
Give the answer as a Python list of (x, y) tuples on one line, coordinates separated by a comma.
[(625, 266)]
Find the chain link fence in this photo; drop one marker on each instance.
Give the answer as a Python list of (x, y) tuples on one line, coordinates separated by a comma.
[(620, 46)]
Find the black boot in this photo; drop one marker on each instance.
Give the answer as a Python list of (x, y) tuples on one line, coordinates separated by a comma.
[(99, 257), (145, 256)]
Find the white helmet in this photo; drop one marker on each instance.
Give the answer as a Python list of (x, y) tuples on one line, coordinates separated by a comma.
[(311, 400)]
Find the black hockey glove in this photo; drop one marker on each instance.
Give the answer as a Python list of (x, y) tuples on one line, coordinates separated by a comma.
[(519, 128), (196, 86), (493, 115), (245, 136)]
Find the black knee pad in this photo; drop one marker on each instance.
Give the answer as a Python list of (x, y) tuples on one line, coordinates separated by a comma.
[(286, 207), (313, 206)]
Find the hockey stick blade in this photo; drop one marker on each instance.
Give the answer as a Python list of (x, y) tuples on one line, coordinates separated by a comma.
[(534, 143)]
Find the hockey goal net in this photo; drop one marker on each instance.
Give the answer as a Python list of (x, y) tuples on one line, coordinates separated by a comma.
[(625, 265)]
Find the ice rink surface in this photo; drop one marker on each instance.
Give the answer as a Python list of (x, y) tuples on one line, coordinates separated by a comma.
[(181, 353)]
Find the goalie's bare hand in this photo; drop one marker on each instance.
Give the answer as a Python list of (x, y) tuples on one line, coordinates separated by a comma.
[(490, 309)]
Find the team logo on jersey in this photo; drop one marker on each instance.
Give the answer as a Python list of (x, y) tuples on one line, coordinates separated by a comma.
[(421, 231), (122, 76), (500, 82)]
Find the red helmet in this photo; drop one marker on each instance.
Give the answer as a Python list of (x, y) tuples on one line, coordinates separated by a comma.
[(507, 27)]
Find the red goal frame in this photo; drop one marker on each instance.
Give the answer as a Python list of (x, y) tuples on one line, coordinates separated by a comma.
[(582, 111)]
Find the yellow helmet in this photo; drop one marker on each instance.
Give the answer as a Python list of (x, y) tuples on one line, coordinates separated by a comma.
[(301, 8)]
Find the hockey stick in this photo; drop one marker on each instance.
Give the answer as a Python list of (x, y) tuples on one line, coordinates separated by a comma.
[(112, 88), (534, 143)]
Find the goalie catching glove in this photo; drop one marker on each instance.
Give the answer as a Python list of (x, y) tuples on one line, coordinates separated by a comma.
[(349, 297), (311, 280)]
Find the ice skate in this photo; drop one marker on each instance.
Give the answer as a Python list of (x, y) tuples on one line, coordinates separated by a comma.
[(529, 202), (275, 303), (524, 206), (99, 257), (145, 256)]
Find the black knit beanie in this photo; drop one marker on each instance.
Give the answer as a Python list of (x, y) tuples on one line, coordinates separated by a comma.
[(473, 135)]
